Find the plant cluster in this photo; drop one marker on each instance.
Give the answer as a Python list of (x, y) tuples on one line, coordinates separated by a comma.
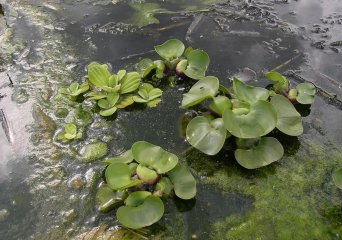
[(139, 178), (247, 113), (114, 91)]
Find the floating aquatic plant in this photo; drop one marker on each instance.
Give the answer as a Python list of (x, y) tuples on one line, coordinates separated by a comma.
[(138, 179), (69, 133), (247, 113), (337, 178), (189, 62)]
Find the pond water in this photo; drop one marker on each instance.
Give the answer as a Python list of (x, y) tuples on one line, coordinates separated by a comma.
[(47, 44)]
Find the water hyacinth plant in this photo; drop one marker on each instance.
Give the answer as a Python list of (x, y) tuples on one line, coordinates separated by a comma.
[(191, 63), (247, 113), (138, 179)]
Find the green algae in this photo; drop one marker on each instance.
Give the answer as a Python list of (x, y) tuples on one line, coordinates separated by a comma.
[(61, 112), (93, 151), (294, 199)]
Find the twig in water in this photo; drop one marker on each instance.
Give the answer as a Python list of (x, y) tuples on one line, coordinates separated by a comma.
[(285, 63), (137, 55)]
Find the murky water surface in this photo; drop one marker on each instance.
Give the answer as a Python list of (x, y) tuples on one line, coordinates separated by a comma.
[(47, 44)]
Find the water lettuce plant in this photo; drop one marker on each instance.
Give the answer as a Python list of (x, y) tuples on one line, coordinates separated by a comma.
[(138, 179), (69, 133), (247, 113)]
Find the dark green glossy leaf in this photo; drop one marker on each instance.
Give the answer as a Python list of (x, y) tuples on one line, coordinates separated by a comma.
[(151, 211), (306, 93), (118, 176), (148, 176), (126, 157), (170, 49), (136, 198), (145, 66), (206, 135), (109, 199), (154, 156), (219, 104), (198, 62), (289, 120), (266, 151), (183, 181), (249, 93), (258, 120), (203, 89)]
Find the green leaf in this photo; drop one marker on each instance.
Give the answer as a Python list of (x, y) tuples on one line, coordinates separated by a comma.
[(198, 62), (145, 66), (183, 181), (70, 128), (121, 74), (249, 93), (187, 51), (258, 120), (139, 99), (112, 98), (133, 167), (108, 199), (148, 176), (289, 120), (154, 102), (125, 101), (98, 74), (144, 13), (163, 187), (154, 93), (206, 135), (219, 104), (280, 82), (266, 151), (130, 82), (306, 93), (203, 89), (154, 156), (160, 69), (96, 95), (151, 211), (171, 49), (103, 103), (337, 178), (126, 157), (136, 198), (118, 176), (108, 112)]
